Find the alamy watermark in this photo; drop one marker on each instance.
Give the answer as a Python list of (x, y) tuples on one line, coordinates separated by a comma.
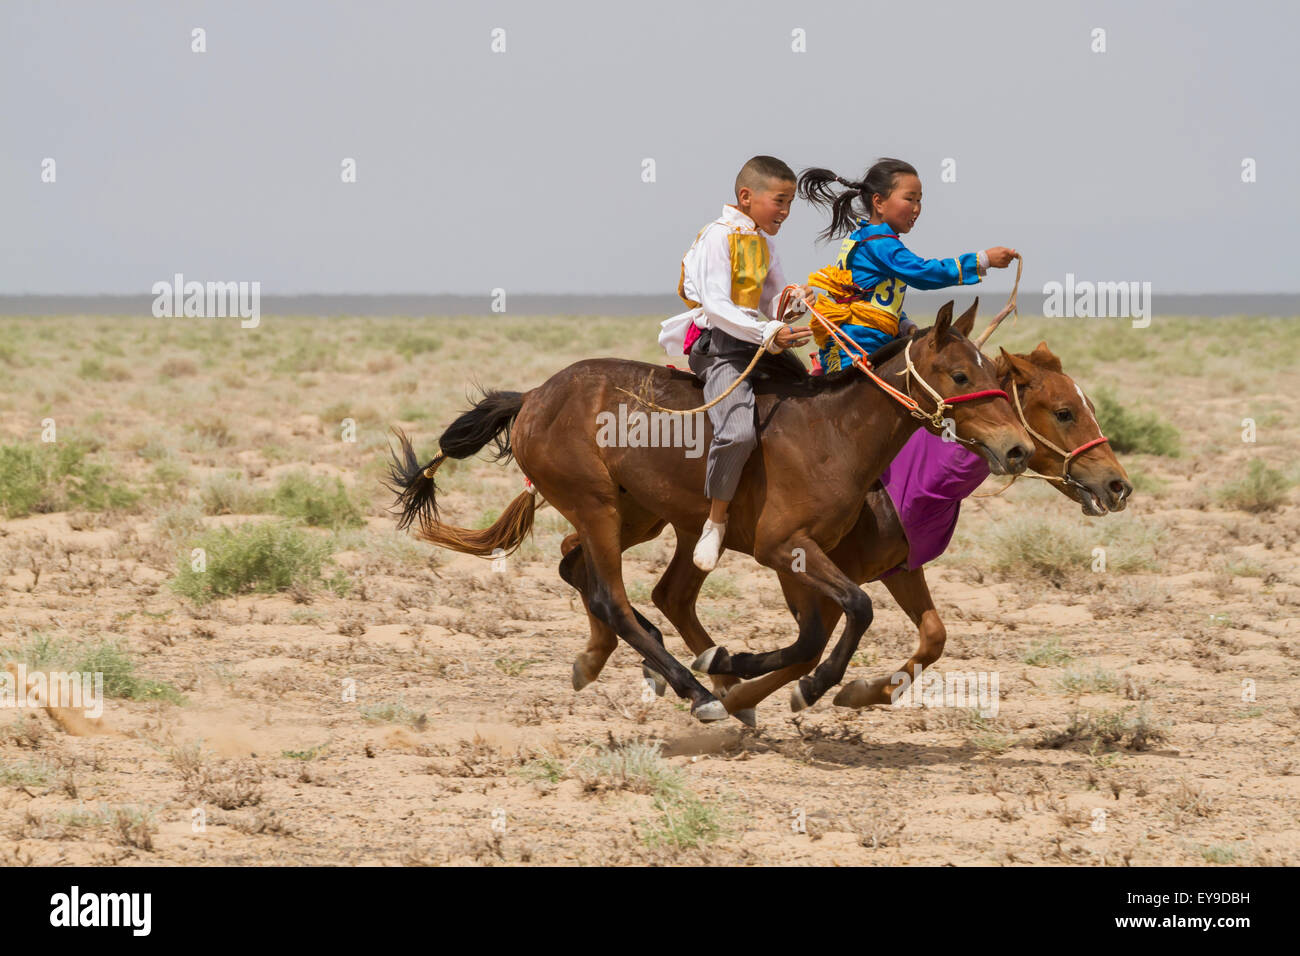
[(1101, 300), (208, 300), (72, 690), (639, 429), (964, 689)]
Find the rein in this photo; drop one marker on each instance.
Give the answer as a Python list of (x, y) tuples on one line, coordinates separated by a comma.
[(786, 308), (863, 364)]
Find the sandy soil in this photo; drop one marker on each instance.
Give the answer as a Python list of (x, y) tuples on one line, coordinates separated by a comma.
[(465, 742)]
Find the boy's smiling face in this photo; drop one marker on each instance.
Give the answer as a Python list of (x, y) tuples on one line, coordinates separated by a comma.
[(768, 206), (903, 206)]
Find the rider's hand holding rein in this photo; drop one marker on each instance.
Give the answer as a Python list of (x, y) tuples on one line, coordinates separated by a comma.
[(788, 336), (794, 335), (999, 257)]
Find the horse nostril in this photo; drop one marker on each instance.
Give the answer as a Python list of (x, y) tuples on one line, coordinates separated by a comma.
[(1121, 489), (1017, 456)]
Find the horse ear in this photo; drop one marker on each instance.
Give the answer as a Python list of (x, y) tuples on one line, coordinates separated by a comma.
[(1016, 366), (1042, 357), (966, 324), (942, 321)]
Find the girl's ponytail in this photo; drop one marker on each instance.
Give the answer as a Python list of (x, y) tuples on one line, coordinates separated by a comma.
[(815, 186)]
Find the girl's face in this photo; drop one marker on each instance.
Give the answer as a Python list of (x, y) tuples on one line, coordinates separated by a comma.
[(902, 207)]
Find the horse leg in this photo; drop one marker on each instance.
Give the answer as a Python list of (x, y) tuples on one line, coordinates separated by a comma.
[(813, 633), (602, 641), (858, 613), (910, 590), (607, 601), (676, 594), (750, 693), (822, 574)]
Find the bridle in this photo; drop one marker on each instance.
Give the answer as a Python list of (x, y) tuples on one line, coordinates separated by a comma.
[(942, 405), (1068, 456)]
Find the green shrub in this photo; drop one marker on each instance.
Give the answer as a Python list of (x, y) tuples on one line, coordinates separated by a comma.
[(1134, 432), (95, 370), (179, 522), (265, 556), (632, 766), (394, 712), (316, 500), (43, 477), (120, 678), (307, 357), (1096, 681), (110, 658), (169, 477), (685, 821), (232, 494), (1108, 729), (1047, 653), (38, 651), (411, 345), (1056, 548), (1262, 489)]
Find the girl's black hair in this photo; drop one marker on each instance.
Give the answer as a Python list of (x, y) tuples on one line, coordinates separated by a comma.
[(815, 186)]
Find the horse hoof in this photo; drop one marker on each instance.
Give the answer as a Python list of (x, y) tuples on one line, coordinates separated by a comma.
[(710, 712), (748, 717), (797, 702), (580, 680), (701, 664), (851, 695), (655, 678), (705, 663)]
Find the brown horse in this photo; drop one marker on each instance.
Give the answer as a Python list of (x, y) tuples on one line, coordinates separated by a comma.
[(823, 442), (1055, 410)]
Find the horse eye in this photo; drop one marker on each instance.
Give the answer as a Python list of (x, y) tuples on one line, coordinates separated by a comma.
[(1065, 416), (960, 378)]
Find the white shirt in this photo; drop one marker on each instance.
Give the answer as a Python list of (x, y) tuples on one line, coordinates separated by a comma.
[(707, 280)]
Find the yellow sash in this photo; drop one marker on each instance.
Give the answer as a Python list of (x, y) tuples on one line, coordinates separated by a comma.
[(878, 307), (750, 260)]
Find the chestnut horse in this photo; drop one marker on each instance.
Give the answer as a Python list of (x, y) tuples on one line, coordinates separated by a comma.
[(823, 442), (1071, 452)]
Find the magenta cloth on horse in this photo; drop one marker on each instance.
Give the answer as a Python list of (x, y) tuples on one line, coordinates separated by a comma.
[(692, 333), (927, 482)]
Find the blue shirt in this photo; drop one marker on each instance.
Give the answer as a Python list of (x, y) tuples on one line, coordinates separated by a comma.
[(887, 267)]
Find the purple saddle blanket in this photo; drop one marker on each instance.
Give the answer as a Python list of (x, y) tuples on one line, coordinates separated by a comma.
[(927, 482)]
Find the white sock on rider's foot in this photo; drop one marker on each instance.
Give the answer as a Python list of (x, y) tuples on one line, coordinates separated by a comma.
[(709, 548)]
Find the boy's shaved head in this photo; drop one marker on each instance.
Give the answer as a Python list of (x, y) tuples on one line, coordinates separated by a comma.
[(759, 171)]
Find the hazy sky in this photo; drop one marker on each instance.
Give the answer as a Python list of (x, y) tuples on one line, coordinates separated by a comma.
[(522, 169)]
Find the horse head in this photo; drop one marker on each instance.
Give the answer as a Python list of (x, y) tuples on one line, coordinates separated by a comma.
[(949, 368), (1070, 444)]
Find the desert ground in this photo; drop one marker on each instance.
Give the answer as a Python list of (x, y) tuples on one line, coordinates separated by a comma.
[(328, 690)]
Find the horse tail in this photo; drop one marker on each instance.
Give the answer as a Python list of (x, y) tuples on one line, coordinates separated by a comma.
[(488, 421), (417, 492)]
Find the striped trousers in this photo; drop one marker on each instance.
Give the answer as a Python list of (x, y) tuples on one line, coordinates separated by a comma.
[(718, 359)]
